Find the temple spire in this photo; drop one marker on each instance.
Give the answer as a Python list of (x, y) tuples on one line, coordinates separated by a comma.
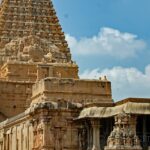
[(23, 18)]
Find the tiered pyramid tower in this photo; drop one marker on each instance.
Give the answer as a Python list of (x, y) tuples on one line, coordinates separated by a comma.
[(30, 35), (36, 18), (41, 95), (32, 47)]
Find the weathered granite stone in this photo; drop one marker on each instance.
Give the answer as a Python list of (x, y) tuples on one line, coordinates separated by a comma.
[(123, 136), (43, 103)]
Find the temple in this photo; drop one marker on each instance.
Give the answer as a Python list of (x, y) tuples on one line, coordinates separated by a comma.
[(44, 105)]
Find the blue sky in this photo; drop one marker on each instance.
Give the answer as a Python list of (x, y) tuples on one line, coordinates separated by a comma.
[(110, 37), (84, 18)]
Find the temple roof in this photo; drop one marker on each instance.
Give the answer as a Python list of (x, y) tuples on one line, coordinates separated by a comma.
[(105, 112), (138, 106), (23, 23)]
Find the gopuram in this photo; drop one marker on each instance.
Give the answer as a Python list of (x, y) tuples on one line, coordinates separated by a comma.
[(44, 105)]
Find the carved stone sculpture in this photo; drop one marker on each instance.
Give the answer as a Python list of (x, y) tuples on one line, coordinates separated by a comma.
[(123, 135)]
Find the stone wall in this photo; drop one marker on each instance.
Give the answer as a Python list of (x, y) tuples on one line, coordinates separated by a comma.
[(16, 134), (14, 97), (35, 71), (60, 70), (41, 127), (19, 71), (73, 90)]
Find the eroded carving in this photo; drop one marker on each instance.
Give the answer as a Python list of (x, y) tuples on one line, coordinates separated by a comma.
[(33, 48), (123, 135)]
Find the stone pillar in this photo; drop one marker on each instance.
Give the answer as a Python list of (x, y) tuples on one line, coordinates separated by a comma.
[(51, 74), (11, 139), (96, 134), (39, 74), (41, 132), (46, 133), (4, 141), (84, 136), (7, 141)]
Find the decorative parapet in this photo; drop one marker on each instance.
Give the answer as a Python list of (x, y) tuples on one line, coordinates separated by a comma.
[(86, 92), (61, 105)]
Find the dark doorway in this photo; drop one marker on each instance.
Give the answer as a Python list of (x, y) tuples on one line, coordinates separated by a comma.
[(143, 130), (105, 130)]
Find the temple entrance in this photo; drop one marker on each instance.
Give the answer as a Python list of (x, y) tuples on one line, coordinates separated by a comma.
[(94, 133), (105, 130), (143, 131)]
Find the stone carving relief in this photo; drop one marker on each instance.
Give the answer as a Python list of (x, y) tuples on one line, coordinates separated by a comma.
[(58, 131), (37, 135), (58, 135), (60, 104), (49, 131), (32, 49), (41, 132), (123, 135)]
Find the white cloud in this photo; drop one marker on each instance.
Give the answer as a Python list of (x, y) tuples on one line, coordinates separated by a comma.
[(126, 82), (108, 42)]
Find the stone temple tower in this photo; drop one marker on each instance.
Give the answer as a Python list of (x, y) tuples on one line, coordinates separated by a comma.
[(32, 47), (44, 105), (32, 19), (41, 94), (30, 32)]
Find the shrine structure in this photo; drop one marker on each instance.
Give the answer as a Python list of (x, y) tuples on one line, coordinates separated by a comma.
[(44, 105)]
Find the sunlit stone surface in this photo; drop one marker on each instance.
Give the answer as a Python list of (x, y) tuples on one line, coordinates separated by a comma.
[(43, 103)]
